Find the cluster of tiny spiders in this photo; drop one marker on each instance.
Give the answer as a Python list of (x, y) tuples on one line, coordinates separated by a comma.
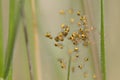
[(81, 36)]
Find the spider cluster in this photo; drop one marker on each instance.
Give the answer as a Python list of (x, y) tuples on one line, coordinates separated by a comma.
[(80, 36)]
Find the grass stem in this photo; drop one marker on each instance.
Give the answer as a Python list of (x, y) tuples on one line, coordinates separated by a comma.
[(1, 42), (103, 64), (69, 65), (36, 40), (27, 46)]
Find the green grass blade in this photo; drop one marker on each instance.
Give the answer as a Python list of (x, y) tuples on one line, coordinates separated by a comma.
[(103, 64), (11, 38), (1, 42), (14, 18)]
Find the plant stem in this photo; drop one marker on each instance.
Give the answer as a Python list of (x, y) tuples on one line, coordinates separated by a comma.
[(27, 46), (69, 65), (36, 40), (103, 64), (1, 43)]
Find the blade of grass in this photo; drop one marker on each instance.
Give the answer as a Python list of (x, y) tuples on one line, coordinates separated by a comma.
[(10, 45), (69, 65), (14, 18), (1, 42), (103, 64)]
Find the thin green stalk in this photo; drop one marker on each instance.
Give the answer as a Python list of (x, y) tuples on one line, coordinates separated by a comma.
[(69, 65), (1, 42), (103, 64), (14, 18)]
